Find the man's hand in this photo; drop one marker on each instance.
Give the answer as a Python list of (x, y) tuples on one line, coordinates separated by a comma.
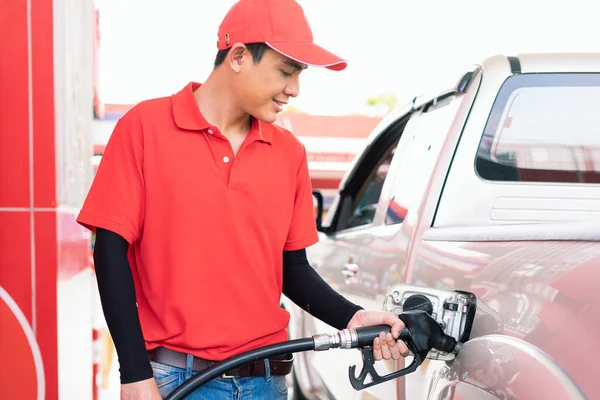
[(385, 346), (142, 390)]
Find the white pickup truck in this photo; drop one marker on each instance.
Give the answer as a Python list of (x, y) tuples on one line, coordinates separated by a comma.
[(492, 187)]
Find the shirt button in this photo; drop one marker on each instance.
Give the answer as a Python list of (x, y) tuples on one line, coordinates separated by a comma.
[(226, 159), (210, 131)]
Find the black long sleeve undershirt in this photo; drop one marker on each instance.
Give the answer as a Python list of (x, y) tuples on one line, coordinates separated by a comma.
[(301, 284), (305, 287), (119, 305)]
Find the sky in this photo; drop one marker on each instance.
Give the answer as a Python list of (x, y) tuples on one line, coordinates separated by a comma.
[(152, 48)]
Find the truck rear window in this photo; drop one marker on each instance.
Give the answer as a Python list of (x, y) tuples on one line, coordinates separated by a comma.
[(543, 128)]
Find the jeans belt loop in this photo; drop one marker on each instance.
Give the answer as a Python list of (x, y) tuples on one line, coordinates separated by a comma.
[(189, 365), (226, 376)]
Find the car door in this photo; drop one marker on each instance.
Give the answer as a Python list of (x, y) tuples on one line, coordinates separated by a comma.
[(339, 255)]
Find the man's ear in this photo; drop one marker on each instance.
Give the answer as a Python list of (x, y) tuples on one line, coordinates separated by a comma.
[(237, 56)]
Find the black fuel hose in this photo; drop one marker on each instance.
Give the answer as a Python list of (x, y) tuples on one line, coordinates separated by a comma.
[(292, 346), (347, 339)]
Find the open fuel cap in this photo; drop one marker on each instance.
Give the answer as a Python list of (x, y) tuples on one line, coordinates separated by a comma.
[(418, 302)]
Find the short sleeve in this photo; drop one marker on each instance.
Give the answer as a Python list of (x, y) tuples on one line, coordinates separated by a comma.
[(116, 198), (303, 228)]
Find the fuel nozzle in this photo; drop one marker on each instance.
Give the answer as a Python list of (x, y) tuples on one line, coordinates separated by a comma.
[(427, 334), (421, 334), (353, 338)]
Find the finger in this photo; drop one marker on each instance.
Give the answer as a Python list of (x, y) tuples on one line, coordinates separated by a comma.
[(391, 342), (385, 350), (403, 348), (394, 322), (376, 349), (397, 326)]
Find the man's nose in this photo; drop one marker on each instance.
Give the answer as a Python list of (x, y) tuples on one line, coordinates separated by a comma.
[(293, 89)]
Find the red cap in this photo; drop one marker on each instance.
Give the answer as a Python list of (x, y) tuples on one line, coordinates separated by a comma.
[(281, 25)]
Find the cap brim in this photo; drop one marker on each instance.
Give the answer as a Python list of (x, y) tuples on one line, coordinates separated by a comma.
[(310, 54)]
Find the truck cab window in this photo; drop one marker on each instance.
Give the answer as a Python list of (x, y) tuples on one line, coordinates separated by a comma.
[(543, 128)]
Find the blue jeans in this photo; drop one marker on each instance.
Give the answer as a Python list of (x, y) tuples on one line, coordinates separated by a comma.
[(267, 387)]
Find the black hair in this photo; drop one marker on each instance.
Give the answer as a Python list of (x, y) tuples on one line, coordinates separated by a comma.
[(256, 49)]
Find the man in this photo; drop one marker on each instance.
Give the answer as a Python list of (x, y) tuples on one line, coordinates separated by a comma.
[(203, 208)]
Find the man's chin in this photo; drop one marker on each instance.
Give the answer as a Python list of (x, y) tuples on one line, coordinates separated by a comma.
[(268, 118)]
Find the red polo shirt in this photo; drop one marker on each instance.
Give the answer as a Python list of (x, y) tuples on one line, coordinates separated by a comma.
[(207, 229)]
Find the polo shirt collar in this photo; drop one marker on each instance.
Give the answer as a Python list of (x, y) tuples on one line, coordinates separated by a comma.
[(188, 116), (185, 109)]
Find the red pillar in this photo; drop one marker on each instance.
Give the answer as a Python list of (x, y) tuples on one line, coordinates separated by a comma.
[(43, 253)]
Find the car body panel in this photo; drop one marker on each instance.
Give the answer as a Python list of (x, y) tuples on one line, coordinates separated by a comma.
[(540, 292)]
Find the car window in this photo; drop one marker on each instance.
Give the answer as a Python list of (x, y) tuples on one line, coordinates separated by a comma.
[(543, 128), (367, 199), (418, 152)]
